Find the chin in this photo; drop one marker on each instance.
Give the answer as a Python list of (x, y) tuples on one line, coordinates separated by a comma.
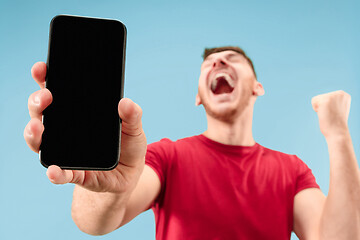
[(225, 114)]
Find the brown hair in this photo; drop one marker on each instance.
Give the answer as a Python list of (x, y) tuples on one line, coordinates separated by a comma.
[(209, 51)]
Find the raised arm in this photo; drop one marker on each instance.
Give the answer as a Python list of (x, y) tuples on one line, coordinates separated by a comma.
[(102, 201), (338, 215)]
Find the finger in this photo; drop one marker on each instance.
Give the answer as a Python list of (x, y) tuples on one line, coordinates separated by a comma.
[(38, 72), (59, 176), (33, 133), (38, 101)]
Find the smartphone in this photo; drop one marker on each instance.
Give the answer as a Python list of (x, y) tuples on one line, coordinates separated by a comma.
[(85, 74)]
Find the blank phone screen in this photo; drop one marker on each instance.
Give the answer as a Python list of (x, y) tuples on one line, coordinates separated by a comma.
[(85, 71)]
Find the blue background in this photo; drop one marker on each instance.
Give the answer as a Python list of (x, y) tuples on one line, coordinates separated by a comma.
[(299, 48)]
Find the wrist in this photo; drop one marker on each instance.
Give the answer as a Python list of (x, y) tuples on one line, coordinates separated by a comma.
[(337, 137)]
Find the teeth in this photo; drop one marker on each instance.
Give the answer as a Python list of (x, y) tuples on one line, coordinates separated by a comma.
[(222, 75)]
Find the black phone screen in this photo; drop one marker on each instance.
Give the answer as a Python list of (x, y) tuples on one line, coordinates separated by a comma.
[(85, 74)]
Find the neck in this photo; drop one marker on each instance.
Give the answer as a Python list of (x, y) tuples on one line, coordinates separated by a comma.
[(236, 132)]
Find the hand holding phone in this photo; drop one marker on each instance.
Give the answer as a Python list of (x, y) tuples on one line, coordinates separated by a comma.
[(133, 144), (85, 75)]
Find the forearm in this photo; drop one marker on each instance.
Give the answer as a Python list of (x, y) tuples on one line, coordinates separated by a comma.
[(98, 213), (341, 214)]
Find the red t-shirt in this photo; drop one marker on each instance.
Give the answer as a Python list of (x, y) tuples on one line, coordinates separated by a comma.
[(214, 191)]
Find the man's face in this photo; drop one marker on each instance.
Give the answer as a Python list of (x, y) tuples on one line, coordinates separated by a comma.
[(225, 85)]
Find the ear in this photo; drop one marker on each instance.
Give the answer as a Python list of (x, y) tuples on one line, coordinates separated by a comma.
[(197, 100), (258, 89)]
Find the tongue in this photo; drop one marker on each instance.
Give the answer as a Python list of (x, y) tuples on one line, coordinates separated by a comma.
[(223, 87)]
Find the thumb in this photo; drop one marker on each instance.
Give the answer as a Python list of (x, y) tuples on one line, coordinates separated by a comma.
[(315, 103), (133, 141), (130, 114)]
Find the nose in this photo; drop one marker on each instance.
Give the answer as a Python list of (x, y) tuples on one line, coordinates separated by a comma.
[(219, 62)]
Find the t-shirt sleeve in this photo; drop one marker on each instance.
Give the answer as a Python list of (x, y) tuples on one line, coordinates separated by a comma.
[(157, 157), (305, 177)]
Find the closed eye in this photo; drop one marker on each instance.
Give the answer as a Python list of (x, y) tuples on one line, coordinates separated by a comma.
[(234, 58)]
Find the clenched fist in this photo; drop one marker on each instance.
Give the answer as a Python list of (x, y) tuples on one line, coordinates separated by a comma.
[(333, 111)]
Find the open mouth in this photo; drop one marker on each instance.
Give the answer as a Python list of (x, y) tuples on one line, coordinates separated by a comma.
[(222, 84)]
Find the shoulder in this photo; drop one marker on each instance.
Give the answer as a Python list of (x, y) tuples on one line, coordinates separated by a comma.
[(167, 147), (294, 164), (163, 154), (291, 168), (167, 143), (279, 155), (291, 162)]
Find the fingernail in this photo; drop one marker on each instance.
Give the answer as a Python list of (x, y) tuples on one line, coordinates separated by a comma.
[(28, 132), (37, 100)]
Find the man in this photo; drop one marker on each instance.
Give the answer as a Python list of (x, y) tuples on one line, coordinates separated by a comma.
[(221, 184)]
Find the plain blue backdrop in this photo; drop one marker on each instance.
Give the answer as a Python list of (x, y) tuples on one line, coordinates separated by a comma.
[(299, 48)]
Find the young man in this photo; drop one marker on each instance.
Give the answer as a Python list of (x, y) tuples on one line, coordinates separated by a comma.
[(221, 184)]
